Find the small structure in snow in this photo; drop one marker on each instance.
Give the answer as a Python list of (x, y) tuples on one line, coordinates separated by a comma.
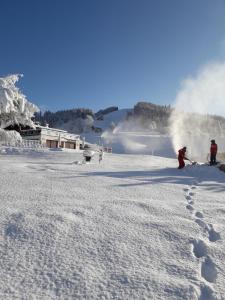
[(107, 149), (89, 152)]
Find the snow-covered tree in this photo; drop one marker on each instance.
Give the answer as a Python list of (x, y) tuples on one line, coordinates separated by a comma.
[(14, 107)]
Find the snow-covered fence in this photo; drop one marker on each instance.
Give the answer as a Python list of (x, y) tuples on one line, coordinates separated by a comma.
[(107, 149), (31, 144)]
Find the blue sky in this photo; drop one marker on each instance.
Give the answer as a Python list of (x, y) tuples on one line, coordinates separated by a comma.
[(98, 53)]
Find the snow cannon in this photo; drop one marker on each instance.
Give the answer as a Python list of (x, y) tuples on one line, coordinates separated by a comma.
[(88, 152)]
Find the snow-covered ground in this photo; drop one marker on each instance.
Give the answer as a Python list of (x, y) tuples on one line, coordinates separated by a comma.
[(132, 227)]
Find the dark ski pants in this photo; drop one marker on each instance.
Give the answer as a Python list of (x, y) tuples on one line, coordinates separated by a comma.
[(213, 159), (181, 163)]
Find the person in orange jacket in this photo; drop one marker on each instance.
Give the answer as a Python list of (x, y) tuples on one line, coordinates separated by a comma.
[(182, 157), (213, 152)]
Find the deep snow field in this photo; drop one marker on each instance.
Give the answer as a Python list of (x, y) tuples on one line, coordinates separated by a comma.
[(132, 227)]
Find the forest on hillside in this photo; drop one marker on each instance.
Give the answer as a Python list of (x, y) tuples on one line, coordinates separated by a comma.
[(145, 115)]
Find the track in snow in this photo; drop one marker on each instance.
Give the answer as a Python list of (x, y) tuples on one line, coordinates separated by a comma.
[(208, 269)]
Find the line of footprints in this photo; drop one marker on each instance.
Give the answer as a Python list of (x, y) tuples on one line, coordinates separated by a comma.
[(208, 267)]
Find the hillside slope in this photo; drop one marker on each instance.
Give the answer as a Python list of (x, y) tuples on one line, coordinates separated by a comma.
[(114, 117)]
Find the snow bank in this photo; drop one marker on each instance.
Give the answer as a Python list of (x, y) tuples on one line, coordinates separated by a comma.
[(14, 107)]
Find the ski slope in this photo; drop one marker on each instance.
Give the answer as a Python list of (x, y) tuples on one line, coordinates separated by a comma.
[(132, 227), (127, 136), (114, 117)]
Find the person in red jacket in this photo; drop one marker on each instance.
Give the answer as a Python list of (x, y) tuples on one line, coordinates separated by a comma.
[(213, 152), (182, 157)]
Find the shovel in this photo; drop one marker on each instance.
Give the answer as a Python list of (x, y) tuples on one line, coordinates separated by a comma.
[(193, 163)]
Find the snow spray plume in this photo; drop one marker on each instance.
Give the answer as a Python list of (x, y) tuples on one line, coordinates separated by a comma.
[(190, 122), (130, 137), (14, 107)]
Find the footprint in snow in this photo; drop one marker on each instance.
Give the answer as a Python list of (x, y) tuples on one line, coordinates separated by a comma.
[(213, 235), (206, 293), (208, 270), (78, 213), (194, 183), (199, 248), (190, 207), (15, 227), (202, 224), (199, 215), (191, 202)]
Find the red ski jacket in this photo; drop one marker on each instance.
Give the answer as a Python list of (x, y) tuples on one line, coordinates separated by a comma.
[(213, 149), (181, 154)]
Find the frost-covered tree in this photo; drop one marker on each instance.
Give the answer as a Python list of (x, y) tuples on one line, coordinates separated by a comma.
[(15, 109)]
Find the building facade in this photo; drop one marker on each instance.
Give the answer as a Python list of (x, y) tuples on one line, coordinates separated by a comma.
[(52, 137)]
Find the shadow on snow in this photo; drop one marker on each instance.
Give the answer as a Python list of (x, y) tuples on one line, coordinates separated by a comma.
[(214, 181)]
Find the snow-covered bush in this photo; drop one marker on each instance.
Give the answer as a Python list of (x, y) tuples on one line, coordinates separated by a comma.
[(14, 107), (12, 137)]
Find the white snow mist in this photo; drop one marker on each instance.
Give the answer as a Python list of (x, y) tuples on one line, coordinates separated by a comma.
[(190, 123), (128, 137)]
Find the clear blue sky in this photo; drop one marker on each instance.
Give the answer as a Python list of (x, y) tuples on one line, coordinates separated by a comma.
[(98, 53)]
